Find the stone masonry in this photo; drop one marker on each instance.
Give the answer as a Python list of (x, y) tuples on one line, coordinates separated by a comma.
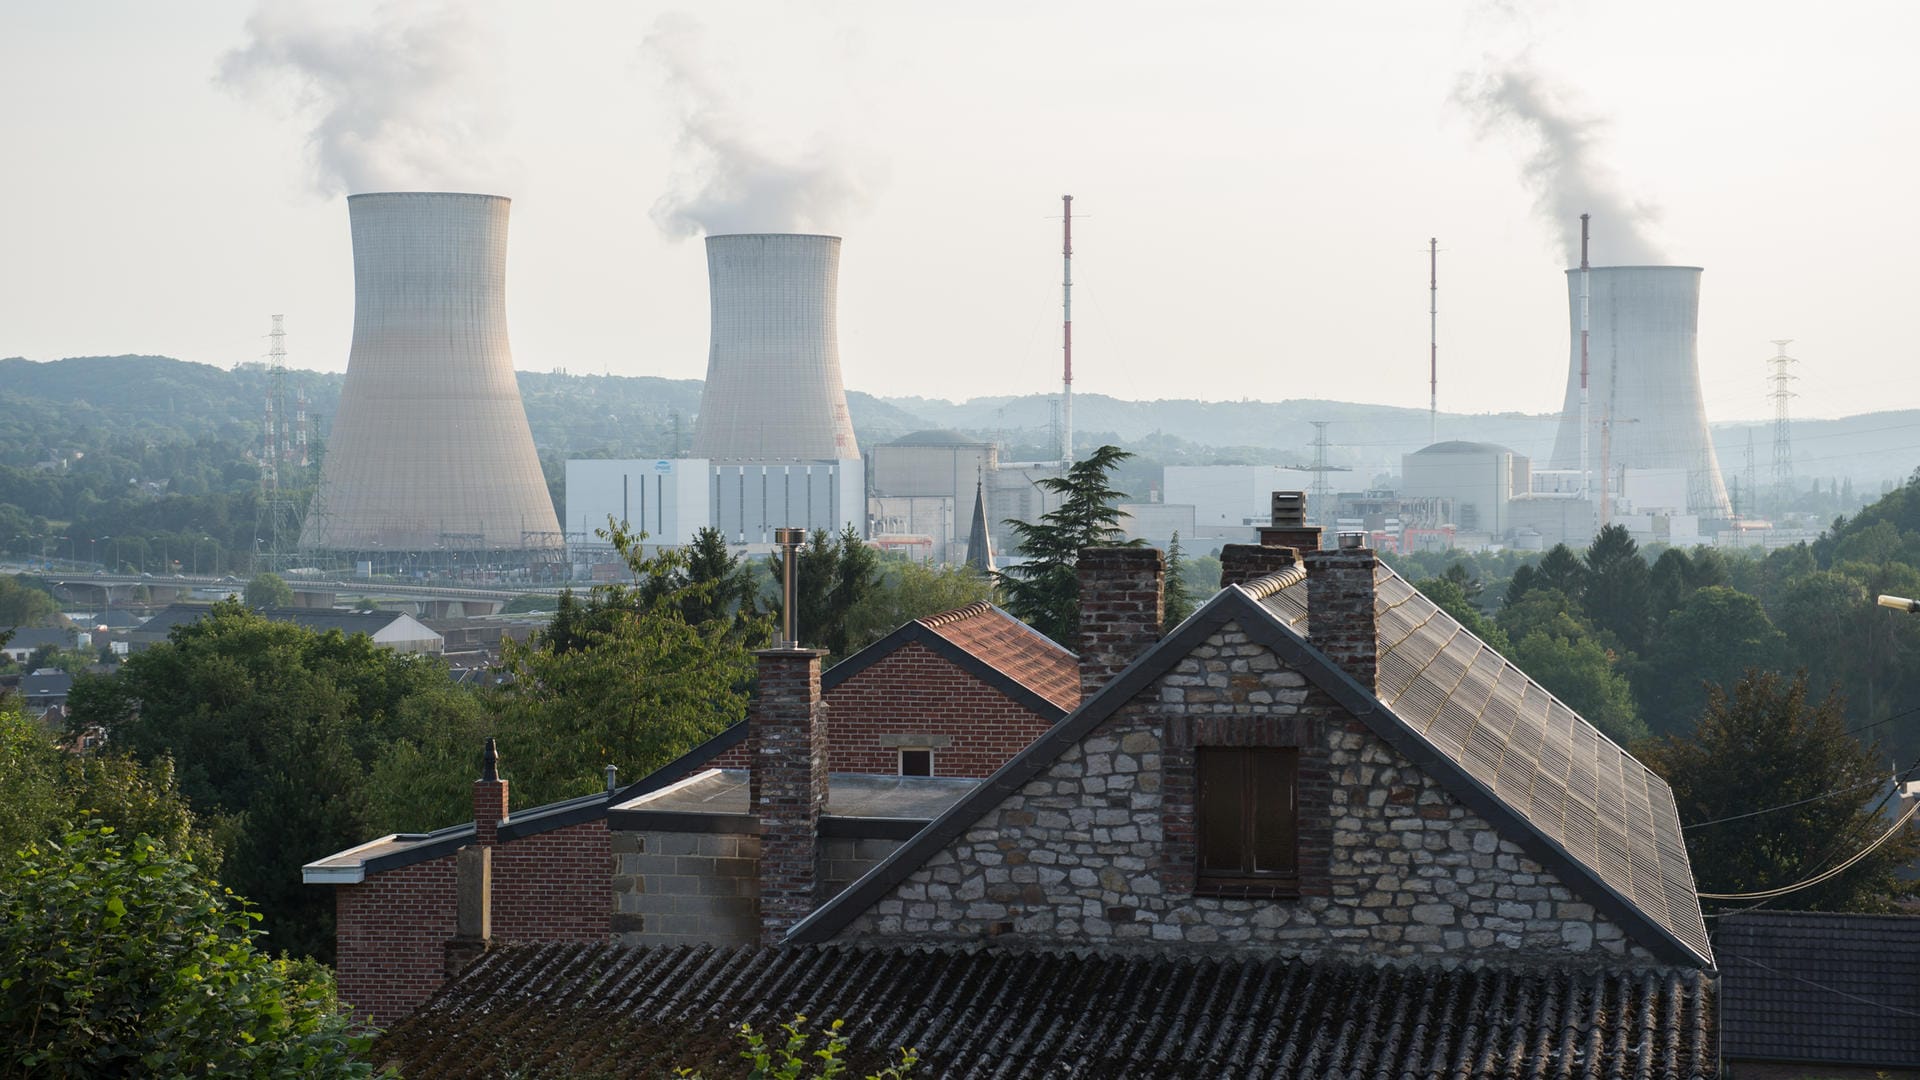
[(1080, 854)]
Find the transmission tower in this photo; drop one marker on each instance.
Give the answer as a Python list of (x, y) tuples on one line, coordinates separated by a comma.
[(1753, 489), (1782, 428), (283, 445), (1320, 503)]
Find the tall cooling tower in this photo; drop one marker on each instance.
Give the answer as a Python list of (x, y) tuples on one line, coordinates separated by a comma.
[(773, 389), (430, 451), (1644, 375)]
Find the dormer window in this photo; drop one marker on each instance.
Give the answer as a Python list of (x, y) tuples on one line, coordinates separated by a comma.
[(1247, 820)]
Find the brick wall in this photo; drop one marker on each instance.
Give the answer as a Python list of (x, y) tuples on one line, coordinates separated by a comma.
[(392, 929), (1078, 854), (916, 697)]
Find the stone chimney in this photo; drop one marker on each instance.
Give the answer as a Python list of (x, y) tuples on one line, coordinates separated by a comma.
[(788, 785), (1281, 541), (489, 799), (1122, 603), (1340, 615)]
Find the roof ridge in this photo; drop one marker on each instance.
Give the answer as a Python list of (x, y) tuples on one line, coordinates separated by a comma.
[(1262, 587), (954, 615)]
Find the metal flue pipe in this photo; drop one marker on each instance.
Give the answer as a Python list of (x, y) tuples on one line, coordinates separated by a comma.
[(790, 541)]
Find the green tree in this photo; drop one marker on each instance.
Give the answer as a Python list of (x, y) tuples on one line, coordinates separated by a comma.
[(274, 726), (121, 960), (23, 602), (1555, 645), (267, 591), (1561, 569), (1669, 581), (49, 790), (1045, 589), (633, 685), (1179, 596), (836, 573), (1712, 638), (1523, 580), (909, 590), (1617, 594), (1764, 744)]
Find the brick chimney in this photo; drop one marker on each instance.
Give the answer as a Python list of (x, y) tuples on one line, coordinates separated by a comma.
[(1340, 616), (1122, 603), (489, 799), (1286, 534), (788, 784)]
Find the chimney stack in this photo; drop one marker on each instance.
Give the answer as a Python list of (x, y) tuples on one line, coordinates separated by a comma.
[(489, 799), (1340, 607), (1282, 540), (1122, 603), (473, 909), (788, 785)]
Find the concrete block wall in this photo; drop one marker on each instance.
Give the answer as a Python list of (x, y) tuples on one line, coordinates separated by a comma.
[(844, 860), (679, 888)]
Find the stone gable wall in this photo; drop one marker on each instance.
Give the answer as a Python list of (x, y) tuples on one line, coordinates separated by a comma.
[(1081, 854)]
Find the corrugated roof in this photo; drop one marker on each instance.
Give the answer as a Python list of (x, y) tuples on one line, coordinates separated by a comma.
[(1580, 790), (1012, 648), (647, 1012), (1820, 987)]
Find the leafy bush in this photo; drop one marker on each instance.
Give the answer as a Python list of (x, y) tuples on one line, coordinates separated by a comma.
[(117, 958), (789, 1060)]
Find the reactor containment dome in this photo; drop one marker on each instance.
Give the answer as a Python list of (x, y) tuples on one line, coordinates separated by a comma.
[(430, 454), (1644, 404)]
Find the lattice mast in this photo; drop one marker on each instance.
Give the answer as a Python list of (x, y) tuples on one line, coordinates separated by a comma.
[(283, 445), (1433, 340), (1782, 427), (1066, 331), (1320, 504)]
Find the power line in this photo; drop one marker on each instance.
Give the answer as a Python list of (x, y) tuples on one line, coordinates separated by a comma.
[(1769, 894), (1782, 806)]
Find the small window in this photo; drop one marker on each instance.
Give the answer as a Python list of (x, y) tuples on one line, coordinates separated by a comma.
[(916, 762), (1247, 815)]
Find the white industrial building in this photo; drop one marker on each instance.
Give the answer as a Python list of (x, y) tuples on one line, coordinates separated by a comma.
[(1476, 480), (1229, 501), (671, 500), (922, 486)]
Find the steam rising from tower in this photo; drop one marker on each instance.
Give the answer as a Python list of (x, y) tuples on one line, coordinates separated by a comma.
[(773, 390), (431, 452), (1647, 412)]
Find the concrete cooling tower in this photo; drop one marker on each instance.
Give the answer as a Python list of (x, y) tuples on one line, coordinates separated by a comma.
[(773, 390), (1644, 376), (430, 453)]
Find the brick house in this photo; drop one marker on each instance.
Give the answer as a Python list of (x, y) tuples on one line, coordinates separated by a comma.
[(946, 697), (1316, 829)]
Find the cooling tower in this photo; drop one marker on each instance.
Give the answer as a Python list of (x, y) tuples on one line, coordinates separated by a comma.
[(1644, 375), (430, 451), (773, 389)]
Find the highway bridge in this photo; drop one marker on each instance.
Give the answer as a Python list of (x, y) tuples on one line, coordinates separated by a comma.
[(434, 601)]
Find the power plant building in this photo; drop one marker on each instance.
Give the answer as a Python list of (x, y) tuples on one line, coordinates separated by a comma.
[(1475, 481), (671, 500), (1645, 410), (430, 459), (923, 485)]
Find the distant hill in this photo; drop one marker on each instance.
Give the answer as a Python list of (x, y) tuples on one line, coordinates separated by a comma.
[(603, 415)]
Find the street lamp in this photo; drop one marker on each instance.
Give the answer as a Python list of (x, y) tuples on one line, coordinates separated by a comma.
[(1899, 603)]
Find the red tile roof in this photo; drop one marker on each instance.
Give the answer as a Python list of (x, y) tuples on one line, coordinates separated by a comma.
[(1012, 648)]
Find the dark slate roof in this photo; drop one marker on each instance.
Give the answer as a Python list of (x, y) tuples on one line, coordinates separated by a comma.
[(33, 637), (1577, 803), (319, 620), (593, 1008), (46, 683), (1816, 987), (989, 644), (1591, 801)]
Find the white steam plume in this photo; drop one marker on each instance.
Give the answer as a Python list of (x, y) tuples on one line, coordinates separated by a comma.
[(400, 103), (1563, 171), (728, 181)]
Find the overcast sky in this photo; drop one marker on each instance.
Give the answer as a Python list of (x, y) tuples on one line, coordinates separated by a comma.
[(1254, 183)]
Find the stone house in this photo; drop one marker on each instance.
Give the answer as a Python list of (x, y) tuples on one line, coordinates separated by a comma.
[(1316, 829), (914, 721)]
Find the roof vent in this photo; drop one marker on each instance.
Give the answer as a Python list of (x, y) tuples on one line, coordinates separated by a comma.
[(1289, 509), (1352, 541)]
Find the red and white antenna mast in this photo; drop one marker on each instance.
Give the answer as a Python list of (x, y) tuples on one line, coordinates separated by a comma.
[(1586, 301), (1433, 340), (1066, 332)]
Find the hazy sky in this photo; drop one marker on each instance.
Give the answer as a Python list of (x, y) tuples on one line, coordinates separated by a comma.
[(1254, 183)]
